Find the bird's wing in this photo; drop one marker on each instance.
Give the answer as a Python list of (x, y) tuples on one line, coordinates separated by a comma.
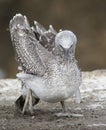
[(25, 46), (45, 37)]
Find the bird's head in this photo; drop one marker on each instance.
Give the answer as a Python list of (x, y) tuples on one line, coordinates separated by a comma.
[(66, 43)]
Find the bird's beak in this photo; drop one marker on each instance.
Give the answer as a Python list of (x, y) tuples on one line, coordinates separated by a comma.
[(66, 58)]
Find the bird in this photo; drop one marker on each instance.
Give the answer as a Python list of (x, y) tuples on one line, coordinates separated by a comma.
[(47, 66)]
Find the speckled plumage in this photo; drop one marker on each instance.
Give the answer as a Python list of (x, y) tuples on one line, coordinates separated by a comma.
[(47, 59)]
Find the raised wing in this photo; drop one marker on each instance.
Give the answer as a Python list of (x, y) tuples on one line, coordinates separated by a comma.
[(25, 46), (45, 37)]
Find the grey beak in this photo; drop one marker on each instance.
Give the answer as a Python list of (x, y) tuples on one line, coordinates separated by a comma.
[(66, 58)]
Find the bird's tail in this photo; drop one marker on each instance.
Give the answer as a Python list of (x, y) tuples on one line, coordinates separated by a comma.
[(20, 102)]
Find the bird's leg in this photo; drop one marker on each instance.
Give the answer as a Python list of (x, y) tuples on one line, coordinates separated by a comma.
[(67, 114), (78, 96), (63, 106), (26, 101), (30, 102), (64, 113)]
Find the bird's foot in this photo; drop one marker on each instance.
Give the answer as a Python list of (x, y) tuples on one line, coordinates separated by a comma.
[(28, 112), (67, 114)]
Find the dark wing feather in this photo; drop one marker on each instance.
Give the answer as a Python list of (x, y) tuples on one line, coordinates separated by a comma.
[(25, 44), (45, 37)]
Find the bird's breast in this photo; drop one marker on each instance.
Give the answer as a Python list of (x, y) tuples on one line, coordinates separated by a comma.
[(56, 85)]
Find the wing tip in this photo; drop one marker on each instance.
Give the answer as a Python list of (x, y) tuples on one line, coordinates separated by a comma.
[(15, 20), (19, 20)]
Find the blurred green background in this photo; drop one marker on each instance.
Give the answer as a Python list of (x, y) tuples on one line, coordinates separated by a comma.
[(86, 18)]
